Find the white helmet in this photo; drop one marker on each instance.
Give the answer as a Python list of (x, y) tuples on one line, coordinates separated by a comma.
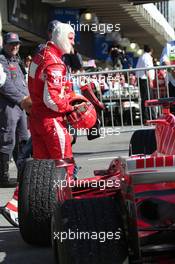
[(60, 36)]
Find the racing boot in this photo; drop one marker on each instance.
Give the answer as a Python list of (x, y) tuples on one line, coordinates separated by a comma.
[(89, 94), (5, 182), (10, 210)]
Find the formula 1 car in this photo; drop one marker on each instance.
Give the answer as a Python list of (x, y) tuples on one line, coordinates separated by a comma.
[(125, 214)]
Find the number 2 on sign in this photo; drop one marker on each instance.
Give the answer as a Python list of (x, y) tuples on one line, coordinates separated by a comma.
[(104, 48)]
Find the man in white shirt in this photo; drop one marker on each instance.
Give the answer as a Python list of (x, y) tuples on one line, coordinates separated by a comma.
[(145, 79), (168, 58)]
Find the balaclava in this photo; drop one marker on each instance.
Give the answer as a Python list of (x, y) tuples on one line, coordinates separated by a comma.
[(60, 37)]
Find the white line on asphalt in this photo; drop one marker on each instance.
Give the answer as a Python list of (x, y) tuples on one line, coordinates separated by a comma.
[(103, 158)]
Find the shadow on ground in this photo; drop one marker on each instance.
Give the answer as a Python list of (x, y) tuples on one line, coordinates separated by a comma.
[(13, 250)]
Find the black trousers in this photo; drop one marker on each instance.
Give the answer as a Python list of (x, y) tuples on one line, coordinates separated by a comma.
[(13, 125), (144, 96)]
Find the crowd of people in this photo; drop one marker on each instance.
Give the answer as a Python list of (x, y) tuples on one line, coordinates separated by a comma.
[(36, 89)]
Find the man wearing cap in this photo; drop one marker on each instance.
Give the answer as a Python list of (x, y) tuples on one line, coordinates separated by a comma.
[(13, 99)]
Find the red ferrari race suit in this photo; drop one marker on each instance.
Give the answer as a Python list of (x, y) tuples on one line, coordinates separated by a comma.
[(50, 103)]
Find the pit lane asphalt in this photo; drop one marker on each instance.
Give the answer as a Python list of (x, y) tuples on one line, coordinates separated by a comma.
[(90, 155)]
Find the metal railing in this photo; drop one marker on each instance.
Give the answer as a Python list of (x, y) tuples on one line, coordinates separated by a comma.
[(120, 91)]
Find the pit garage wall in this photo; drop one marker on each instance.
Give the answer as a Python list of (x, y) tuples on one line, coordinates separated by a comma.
[(31, 16), (18, 16), (30, 19), (13, 10)]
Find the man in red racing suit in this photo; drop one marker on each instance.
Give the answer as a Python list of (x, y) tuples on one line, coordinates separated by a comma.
[(50, 97), (50, 103)]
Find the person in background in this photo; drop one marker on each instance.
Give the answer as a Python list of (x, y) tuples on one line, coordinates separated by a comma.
[(117, 56), (159, 83), (168, 58), (2, 76), (73, 61), (27, 61), (13, 99), (145, 80)]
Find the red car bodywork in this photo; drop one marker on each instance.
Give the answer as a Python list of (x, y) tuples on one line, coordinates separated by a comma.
[(146, 183)]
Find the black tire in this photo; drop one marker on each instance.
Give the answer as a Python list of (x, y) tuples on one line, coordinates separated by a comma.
[(36, 197), (89, 215), (143, 142)]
